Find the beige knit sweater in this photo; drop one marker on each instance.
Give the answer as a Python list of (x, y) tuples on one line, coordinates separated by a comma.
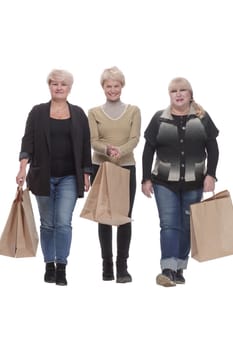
[(123, 132)]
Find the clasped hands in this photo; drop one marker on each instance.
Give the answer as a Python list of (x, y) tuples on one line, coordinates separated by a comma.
[(113, 151)]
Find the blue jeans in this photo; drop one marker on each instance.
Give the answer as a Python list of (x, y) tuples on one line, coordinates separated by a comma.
[(56, 213), (174, 215)]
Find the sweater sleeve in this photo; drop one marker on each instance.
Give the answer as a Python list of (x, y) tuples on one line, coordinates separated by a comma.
[(212, 157), (134, 136), (27, 144), (151, 131), (210, 128), (147, 161), (96, 143), (86, 163), (211, 145), (150, 147)]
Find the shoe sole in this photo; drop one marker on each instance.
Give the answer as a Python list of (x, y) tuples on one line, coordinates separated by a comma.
[(50, 281), (164, 281), (61, 283), (123, 280), (108, 278), (180, 282)]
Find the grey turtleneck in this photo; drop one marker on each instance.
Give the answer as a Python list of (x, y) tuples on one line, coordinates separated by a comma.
[(114, 109)]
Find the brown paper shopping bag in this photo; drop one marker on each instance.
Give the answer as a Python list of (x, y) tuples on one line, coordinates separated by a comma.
[(108, 199), (19, 237), (211, 223)]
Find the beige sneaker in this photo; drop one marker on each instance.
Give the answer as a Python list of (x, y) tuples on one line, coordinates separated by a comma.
[(166, 278)]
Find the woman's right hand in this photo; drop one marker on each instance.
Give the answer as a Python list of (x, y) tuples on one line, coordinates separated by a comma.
[(147, 188), (113, 151), (21, 177)]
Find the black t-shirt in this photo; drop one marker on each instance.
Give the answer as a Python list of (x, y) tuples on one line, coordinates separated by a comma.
[(62, 160)]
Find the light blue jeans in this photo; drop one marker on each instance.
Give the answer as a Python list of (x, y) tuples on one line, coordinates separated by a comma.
[(55, 218), (174, 215)]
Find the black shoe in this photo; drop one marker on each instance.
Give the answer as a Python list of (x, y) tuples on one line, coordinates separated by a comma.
[(61, 275), (108, 277), (122, 273), (179, 277), (108, 274), (124, 277), (50, 273), (167, 278)]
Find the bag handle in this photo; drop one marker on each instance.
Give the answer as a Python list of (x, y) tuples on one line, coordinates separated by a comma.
[(219, 195), (19, 194)]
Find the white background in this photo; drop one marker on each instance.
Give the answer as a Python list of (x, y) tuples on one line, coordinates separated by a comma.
[(151, 42)]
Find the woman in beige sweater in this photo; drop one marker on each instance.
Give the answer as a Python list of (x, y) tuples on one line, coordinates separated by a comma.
[(115, 131)]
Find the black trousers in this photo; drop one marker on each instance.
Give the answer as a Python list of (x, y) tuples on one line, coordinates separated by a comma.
[(123, 231)]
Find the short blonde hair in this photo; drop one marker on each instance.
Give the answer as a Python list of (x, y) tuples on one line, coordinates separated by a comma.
[(113, 73), (60, 75)]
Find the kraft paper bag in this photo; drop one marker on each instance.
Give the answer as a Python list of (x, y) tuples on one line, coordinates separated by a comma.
[(108, 199), (211, 224), (19, 237)]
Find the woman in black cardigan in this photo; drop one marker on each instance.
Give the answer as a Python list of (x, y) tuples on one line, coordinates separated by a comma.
[(183, 140), (56, 145)]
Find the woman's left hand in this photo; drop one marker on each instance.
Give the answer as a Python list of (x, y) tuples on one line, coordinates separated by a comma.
[(86, 182), (209, 184), (113, 151), (147, 188)]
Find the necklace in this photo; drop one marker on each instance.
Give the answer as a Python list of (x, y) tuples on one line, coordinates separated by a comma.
[(59, 111), (179, 113)]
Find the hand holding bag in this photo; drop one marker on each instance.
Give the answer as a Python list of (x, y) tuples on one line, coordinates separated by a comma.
[(19, 237), (108, 199), (211, 224)]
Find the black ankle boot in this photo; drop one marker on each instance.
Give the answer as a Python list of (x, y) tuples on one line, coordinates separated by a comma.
[(180, 277), (108, 274), (122, 273), (50, 274), (61, 275)]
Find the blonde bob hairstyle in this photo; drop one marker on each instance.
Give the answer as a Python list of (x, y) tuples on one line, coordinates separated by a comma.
[(182, 83), (112, 73), (60, 75)]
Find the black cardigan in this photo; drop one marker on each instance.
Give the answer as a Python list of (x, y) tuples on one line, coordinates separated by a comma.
[(36, 146), (181, 146)]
